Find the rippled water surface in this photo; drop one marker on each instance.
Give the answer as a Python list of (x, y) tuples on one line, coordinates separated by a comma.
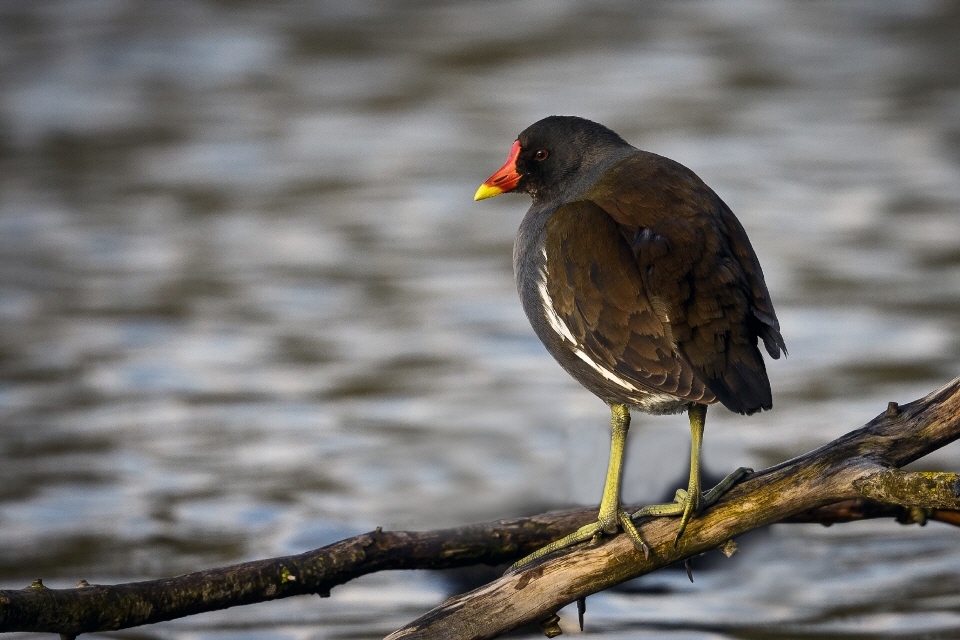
[(248, 306)]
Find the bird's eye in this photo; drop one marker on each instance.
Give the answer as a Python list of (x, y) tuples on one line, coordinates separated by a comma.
[(541, 155)]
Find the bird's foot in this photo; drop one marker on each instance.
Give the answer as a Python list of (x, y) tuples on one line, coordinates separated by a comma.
[(688, 503), (592, 531)]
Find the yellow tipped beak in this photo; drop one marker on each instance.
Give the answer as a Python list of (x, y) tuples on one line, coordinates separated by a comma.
[(487, 191), (505, 179)]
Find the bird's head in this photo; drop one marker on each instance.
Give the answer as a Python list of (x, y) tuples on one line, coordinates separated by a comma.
[(553, 158)]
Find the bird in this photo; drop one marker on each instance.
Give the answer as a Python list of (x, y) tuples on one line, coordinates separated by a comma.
[(642, 284)]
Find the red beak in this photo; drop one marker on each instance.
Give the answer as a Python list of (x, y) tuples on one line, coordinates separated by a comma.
[(503, 180)]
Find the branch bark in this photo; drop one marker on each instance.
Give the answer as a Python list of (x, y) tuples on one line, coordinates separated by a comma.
[(854, 477)]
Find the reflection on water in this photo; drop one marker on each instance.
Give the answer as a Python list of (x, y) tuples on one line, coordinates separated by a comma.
[(248, 307)]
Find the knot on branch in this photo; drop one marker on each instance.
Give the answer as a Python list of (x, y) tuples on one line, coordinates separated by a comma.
[(929, 490), (914, 515), (551, 626)]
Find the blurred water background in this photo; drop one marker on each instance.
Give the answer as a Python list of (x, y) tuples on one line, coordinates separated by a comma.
[(248, 306)]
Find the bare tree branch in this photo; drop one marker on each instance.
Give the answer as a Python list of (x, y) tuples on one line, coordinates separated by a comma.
[(863, 463), (109, 607), (854, 477)]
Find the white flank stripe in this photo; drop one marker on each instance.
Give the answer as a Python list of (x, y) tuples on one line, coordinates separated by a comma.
[(558, 325), (606, 373), (552, 316), (556, 322)]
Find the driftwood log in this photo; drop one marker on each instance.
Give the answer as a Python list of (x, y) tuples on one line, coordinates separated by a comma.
[(854, 477)]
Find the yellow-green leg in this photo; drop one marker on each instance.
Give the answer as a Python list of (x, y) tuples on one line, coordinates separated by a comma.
[(612, 517), (689, 502)]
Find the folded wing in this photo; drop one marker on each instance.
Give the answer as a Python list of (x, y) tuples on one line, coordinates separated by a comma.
[(681, 304)]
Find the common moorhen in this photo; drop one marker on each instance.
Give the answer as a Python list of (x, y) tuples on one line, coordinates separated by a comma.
[(642, 284)]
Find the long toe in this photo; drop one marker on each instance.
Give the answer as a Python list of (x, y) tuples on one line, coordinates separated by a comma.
[(626, 521), (674, 508), (582, 534)]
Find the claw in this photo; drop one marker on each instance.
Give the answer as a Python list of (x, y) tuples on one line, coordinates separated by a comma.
[(688, 509)]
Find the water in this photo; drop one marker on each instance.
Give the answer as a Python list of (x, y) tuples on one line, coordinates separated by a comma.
[(248, 307)]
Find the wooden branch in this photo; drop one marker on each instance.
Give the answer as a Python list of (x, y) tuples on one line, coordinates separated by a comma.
[(831, 484), (860, 464), (110, 607)]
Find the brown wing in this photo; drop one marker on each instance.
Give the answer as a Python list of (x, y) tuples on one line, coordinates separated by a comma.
[(697, 265), (597, 291)]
